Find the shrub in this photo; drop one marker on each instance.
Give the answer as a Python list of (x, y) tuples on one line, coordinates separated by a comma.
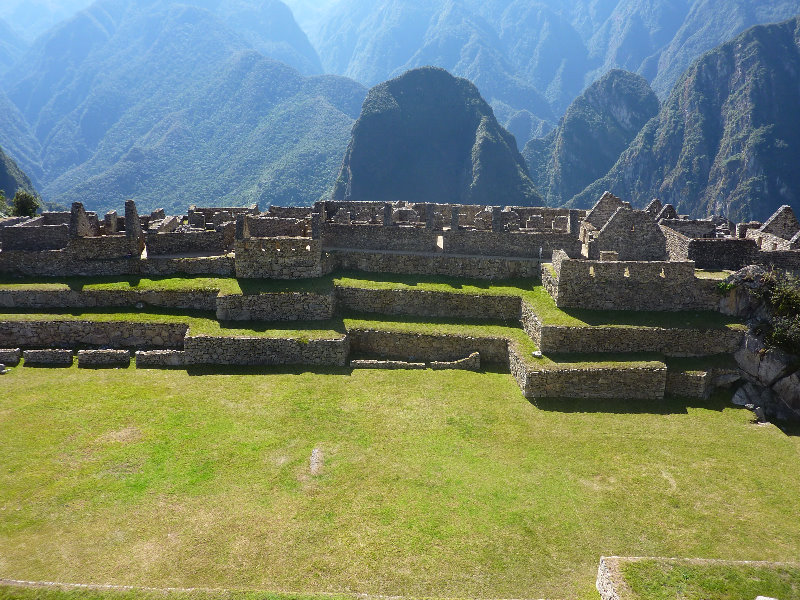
[(25, 204)]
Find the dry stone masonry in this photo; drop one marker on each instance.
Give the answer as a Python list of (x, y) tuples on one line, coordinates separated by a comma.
[(612, 257)]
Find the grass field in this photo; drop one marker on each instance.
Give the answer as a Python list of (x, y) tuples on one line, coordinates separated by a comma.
[(443, 484), (667, 580)]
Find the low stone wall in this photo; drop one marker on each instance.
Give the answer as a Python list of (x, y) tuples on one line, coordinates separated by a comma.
[(470, 267), (638, 383), (159, 359), (378, 237), (688, 384), (207, 350), (418, 347), (286, 306), (427, 303), (470, 363), (103, 358), (517, 244), (669, 342), (10, 356), (74, 334), (190, 300), (389, 365), (47, 357)]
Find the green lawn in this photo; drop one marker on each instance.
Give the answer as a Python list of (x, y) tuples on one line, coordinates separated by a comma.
[(10, 592), (667, 580), (433, 483)]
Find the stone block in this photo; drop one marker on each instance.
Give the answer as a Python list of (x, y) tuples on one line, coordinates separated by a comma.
[(47, 357), (10, 356), (159, 359), (470, 363), (103, 358)]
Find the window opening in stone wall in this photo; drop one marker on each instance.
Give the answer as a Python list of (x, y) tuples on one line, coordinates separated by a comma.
[(440, 242), (627, 272), (591, 271)]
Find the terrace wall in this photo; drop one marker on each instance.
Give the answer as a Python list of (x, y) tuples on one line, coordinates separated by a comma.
[(284, 306), (256, 351), (645, 382), (418, 347), (189, 300), (427, 303), (470, 267), (74, 334)]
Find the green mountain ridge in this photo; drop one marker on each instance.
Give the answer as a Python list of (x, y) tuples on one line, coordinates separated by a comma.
[(554, 48), (12, 178), (597, 127), (727, 141), (164, 104), (427, 136)]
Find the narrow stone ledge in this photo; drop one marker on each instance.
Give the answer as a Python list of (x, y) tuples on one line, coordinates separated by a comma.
[(47, 357), (386, 364), (471, 363)]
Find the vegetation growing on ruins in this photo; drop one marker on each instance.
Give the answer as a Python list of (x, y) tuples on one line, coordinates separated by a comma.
[(669, 579), (129, 477)]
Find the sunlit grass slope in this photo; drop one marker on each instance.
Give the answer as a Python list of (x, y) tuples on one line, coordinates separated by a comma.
[(446, 484)]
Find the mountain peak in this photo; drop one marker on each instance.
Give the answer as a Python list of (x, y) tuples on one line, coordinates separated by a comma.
[(427, 136)]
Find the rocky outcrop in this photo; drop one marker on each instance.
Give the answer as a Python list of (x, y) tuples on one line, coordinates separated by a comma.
[(773, 380), (427, 136)]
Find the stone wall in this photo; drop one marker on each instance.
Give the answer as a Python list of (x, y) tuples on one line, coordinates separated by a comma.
[(74, 334), (669, 342), (33, 236), (418, 347), (722, 253), (189, 300), (512, 244), (103, 358), (291, 212), (286, 306), (278, 258), (378, 237), (48, 357), (692, 228), (10, 356), (191, 242), (206, 350), (274, 226), (688, 384), (629, 285), (160, 359), (487, 268), (224, 266), (428, 304), (646, 382)]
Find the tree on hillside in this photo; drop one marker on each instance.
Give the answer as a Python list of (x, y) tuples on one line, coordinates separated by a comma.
[(4, 210), (25, 204)]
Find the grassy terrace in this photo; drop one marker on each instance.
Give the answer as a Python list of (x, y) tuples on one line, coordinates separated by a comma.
[(669, 579), (433, 484), (199, 323), (529, 290)]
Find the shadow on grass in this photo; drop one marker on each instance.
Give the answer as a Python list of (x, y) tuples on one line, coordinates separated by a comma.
[(667, 406), (202, 370)]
